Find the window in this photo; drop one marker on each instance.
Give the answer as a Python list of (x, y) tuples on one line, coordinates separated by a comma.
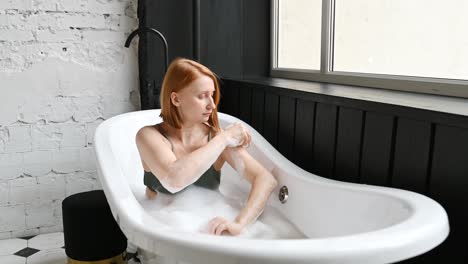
[(417, 45), (299, 34)]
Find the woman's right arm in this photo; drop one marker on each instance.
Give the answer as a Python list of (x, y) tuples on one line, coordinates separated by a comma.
[(176, 174)]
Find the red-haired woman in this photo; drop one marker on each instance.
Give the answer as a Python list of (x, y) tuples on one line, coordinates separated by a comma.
[(189, 147)]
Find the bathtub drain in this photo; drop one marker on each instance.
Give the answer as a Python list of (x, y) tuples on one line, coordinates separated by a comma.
[(283, 194)]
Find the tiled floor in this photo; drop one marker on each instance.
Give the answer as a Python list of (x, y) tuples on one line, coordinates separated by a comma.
[(40, 249)]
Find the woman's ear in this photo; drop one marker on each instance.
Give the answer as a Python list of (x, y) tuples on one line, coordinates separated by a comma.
[(175, 99)]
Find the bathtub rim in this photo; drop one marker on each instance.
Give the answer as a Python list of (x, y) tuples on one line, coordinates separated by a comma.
[(436, 229)]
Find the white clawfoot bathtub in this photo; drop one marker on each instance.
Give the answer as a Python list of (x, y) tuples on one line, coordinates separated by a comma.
[(342, 222)]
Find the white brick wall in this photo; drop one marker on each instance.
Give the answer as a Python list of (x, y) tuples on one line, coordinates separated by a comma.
[(63, 70)]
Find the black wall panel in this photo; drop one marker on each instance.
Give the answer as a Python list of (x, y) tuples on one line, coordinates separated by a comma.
[(256, 38), (449, 176), (221, 37), (245, 103), (270, 125), (348, 145), (287, 112), (229, 102), (377, 149), (304, 136), (324, 139), (258, 107), (178, 32), (411, 161), (449, 185)]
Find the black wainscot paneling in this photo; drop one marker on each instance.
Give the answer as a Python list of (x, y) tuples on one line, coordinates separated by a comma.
[(304, 136), (229, 102), (449, 186), (324, 139), (258, 109), (411, 161), (377, 149), (286, 125), (270, 124), (245, 103), (348, 145)]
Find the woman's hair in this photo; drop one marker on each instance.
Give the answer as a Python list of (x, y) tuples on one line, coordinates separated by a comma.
[(180, 74)]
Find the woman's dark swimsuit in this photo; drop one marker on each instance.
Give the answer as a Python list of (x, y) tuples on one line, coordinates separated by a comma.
[(210, 179)]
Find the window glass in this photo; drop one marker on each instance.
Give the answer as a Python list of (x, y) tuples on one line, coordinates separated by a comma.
[(299, 36), (425, 38)]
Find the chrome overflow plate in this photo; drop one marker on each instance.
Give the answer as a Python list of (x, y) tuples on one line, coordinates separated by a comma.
[(283, 194)]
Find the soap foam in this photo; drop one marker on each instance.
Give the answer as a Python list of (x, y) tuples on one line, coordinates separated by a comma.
[(192, 209)]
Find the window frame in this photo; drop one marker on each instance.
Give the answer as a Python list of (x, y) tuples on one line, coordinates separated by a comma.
[(439, 86)]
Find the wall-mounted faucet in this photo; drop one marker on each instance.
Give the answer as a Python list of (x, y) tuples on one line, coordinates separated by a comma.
[(149, 89), (157, 33)]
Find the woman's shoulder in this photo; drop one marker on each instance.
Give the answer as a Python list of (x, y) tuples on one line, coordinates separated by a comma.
[(152, 137), (149, 130)]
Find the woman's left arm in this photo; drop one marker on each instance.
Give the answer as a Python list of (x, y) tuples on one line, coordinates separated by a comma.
[(262, 185)]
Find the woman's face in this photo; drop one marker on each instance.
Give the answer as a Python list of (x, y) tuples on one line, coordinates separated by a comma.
[(195, 102)]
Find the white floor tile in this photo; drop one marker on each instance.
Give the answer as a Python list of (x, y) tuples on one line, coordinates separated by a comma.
[(47, 241), (5, 235), (10, 246), (49, 256), (12, 259), (25, 233)]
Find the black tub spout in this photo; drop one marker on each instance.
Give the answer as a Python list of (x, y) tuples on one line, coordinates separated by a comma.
[(157, 33)]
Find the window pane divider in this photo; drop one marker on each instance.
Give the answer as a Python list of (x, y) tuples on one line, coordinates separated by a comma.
[(274, 20), (326, 49)]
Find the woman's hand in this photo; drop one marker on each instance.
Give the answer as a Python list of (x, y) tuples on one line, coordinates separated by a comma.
[(218, 225), (237, 135)]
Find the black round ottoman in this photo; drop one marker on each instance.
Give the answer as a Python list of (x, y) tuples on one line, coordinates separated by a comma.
[(91, 233)]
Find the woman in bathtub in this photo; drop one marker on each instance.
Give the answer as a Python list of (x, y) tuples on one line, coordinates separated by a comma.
[(189, 147)]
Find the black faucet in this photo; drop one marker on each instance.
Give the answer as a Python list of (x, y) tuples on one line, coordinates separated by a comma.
[(149, 90), (153, 31)]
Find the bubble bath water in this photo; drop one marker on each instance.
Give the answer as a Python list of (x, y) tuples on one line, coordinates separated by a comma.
[(191, 210)]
